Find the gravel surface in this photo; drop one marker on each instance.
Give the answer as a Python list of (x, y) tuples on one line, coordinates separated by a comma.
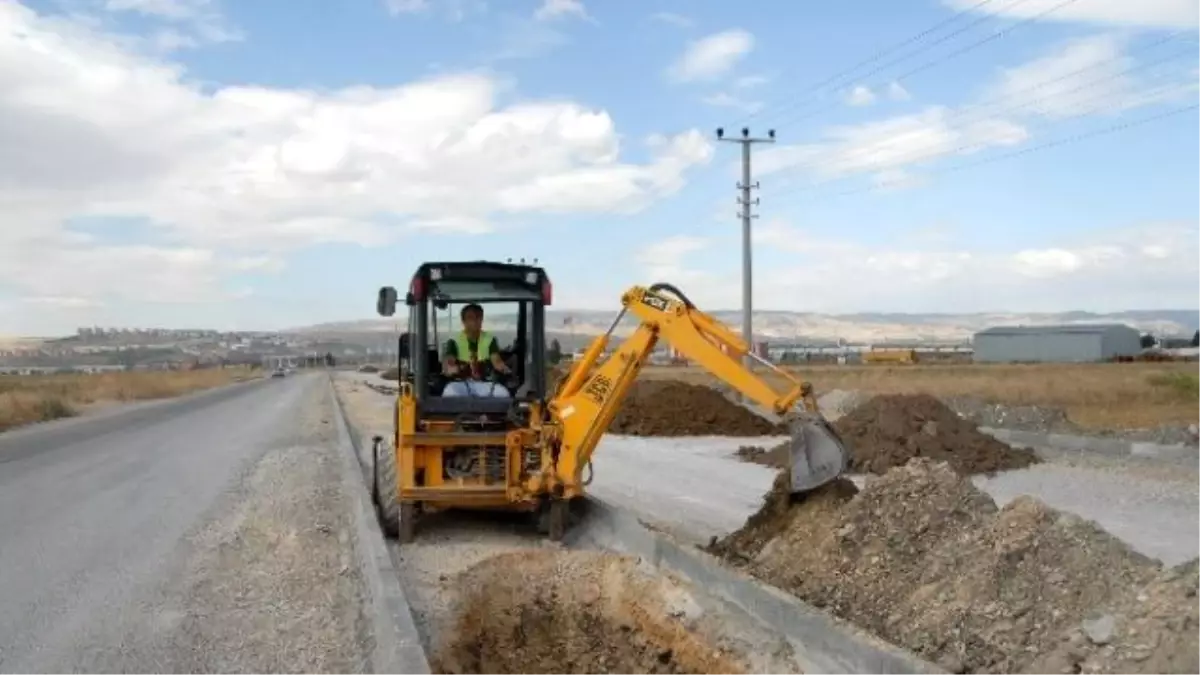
[(215, 539), (1159, 518)]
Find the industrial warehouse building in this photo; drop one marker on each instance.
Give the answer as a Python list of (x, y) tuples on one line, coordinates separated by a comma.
[(1056, 344)]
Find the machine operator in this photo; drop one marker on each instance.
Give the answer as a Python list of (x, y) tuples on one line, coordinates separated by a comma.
[(473, 355)]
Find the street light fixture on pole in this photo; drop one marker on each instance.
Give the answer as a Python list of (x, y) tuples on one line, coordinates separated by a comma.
[(747, 267)]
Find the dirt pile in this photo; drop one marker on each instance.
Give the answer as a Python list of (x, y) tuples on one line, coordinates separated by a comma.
[(776, 457), (671, 408), (889, 430), (779, 512), (577, 612), (1151, 631), (927, 561)]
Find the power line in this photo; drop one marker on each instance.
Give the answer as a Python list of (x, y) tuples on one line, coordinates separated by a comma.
[(959, 115), (843, 73), (886, 51), (1076, 138), (882, 53), (935, 62)]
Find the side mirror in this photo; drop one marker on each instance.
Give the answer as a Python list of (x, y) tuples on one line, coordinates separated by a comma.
[(385, 304), (402, 345)]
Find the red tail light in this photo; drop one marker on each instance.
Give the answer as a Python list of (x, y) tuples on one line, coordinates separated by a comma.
[(547, 292), (417, 288)]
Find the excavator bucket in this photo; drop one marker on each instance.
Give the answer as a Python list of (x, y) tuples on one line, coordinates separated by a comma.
[(817, 453)]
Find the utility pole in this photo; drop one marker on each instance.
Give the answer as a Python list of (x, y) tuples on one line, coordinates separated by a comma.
[(747, 266)]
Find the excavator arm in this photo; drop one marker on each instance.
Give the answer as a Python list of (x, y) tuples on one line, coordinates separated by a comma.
[(589, 397)]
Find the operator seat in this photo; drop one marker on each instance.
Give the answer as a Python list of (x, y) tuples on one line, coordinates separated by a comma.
[(437, 381)]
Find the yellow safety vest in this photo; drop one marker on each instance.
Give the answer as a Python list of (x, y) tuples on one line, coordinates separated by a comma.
[(462, 345)]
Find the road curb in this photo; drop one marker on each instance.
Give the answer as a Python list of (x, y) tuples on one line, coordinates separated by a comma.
[(396, 645), (1050, 445), (822, 643)]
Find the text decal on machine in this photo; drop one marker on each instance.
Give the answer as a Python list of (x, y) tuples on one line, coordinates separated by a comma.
[(598, 389), (656, 301)]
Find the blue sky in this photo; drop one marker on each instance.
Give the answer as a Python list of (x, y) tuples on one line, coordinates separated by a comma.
[(269, 164)]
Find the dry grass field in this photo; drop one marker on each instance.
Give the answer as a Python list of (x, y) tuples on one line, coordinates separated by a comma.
[(1094, 396), (27, 399)]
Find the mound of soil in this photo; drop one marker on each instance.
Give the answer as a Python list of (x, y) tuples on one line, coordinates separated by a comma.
[(575, 612), (925, 560), (776, 457), (1151, 631), (889, 430), (778, 513), (672, 408)]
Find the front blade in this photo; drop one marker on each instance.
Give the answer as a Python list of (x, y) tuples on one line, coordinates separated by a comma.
[(817, 453)]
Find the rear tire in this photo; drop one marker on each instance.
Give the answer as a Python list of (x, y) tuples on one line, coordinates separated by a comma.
[(408, 523), (386, 488), (558, 519)]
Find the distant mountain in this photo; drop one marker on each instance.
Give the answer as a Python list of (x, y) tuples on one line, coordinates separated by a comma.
[(575, 326)]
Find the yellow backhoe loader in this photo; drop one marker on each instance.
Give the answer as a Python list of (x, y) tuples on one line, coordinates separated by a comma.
[(529, 449)]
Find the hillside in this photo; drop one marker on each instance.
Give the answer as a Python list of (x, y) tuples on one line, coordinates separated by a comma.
[(806, 327)]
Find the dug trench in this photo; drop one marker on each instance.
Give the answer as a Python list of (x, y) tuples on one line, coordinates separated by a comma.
[(489, 595), (927, 561), (552, 611)]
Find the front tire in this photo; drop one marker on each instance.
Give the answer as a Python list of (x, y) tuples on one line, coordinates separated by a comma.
[(386, 489)]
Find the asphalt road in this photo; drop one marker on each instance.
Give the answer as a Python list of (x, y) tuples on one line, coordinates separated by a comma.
[(95, 513)]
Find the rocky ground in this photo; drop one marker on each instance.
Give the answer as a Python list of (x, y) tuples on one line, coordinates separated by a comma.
[(927, 561)]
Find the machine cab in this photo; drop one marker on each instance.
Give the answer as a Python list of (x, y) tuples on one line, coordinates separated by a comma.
[(513, 297)]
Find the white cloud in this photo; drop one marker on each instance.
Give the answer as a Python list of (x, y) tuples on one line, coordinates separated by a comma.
[(712, 56), (1079, 77), (897, 92), (234, 179), (890, 144), (1033, 85), (1104, 270), (664, 260), (556, 9), (673, 19), (860, 96), (725, 100), (396, 7), (751, 81), (194, 21), (525, 38), (1151, 13), (453, 10), (1085, 76)]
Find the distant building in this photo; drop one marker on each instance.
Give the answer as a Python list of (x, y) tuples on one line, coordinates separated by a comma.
[(1079, 343)]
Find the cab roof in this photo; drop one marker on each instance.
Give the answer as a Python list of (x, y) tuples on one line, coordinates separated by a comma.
[(481, 270)]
